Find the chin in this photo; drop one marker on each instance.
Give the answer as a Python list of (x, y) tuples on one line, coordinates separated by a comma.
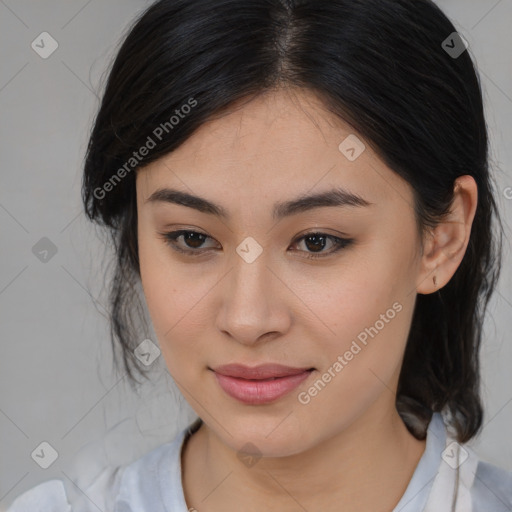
[(271, 437)]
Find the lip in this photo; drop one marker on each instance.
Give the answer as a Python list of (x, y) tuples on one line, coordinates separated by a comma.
[(259, 391), (262, 371)]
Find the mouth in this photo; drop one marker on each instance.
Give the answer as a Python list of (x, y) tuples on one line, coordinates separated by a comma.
[(259, 391), (261, 372)]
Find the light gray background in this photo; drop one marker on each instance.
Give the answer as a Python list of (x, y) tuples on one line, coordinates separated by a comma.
[(55, 342)]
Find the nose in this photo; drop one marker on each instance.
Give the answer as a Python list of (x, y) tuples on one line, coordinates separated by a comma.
[(254, 302)]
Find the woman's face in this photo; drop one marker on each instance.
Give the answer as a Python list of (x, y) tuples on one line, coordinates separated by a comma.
[(251, 295)]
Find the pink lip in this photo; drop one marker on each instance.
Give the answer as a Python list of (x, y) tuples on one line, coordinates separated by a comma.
[(260, 391)]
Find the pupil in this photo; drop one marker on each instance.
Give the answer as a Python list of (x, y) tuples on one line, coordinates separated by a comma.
[(191, 235), (314, 237)]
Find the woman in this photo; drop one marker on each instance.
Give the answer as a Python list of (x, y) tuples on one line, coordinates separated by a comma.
[(302, 189)]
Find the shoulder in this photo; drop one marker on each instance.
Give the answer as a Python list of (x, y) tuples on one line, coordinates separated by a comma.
[(142, 480), (153, 482), (67, 496), (492, 488), (49, 495), (144, 484)]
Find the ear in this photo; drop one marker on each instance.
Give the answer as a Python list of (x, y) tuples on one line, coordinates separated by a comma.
[(445, 246)]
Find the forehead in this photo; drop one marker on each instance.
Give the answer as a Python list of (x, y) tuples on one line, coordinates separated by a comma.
[(281, 144)]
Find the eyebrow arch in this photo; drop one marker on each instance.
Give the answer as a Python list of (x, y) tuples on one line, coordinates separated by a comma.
[(335, 197)]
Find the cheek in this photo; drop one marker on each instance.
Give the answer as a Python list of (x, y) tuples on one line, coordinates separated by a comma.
[(366, 313), (162, 287), (350, 298), (176, 301), (364, 355)]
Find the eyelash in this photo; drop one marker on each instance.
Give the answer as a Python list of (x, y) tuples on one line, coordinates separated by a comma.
[(171, 237)]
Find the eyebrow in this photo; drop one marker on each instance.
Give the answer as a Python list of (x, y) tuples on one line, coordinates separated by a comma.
[(337, 197)]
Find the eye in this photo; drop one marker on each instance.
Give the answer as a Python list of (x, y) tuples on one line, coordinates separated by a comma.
[(194, 241), (317, 241), (195, 238)]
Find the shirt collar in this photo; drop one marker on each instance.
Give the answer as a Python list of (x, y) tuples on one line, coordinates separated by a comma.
[(417, 492), (433, 481)]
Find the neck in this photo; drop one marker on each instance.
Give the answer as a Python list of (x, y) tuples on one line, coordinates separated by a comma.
[(366, 466)]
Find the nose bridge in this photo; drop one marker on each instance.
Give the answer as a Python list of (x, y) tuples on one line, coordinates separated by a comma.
[(250, 304), (250, 285)]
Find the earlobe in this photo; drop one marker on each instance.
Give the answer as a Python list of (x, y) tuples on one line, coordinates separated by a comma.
[(447, 243)]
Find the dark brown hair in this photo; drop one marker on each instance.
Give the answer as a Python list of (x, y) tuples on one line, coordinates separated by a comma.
[(380, 65)]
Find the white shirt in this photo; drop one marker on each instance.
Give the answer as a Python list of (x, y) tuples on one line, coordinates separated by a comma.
[(448, 478)]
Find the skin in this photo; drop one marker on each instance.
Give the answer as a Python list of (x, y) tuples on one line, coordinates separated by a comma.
[(348, 444)]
